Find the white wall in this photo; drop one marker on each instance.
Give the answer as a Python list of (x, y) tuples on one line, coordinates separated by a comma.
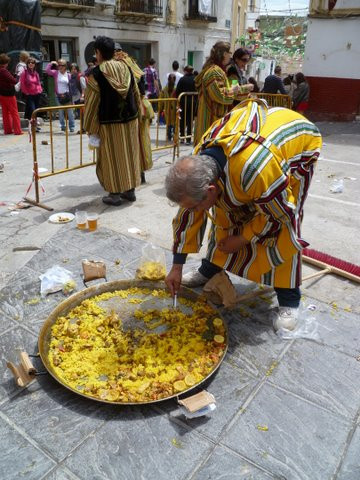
[(333, 48)]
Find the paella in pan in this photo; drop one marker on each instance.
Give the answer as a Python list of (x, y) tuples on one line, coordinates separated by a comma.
[(122, 342)]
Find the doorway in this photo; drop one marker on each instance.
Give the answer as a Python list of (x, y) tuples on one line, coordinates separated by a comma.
[(140, 52)]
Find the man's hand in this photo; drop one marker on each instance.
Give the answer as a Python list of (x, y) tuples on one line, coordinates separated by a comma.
[(232, 244), (173, 279)]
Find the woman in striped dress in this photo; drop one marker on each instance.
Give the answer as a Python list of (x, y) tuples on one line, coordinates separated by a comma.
[(253, 168), (112, 103), (216, 96)]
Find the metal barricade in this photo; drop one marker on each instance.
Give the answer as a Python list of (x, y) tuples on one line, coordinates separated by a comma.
[(187, 108), (168, 106), (273, 99), (179, 128), (184, 121), (62, 150), (56, 164)]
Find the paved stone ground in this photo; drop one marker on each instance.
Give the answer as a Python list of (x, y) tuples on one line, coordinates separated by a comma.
[(307, 394)]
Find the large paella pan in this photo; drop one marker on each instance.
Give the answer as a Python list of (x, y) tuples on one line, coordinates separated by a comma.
[(123, 342)]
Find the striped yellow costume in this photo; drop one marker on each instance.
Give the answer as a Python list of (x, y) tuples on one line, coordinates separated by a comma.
[(118, 159), (215, 98), (271, 155), (145, 118)]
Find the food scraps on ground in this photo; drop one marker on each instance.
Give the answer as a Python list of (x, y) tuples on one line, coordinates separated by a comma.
[(93, 352)]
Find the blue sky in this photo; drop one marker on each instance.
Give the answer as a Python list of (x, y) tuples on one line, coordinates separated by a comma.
[(283, 5)]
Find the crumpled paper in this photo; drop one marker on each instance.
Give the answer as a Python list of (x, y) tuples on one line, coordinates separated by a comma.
[(219, 290)]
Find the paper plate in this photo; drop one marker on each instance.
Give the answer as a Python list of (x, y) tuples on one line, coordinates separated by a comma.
[(61, 217)]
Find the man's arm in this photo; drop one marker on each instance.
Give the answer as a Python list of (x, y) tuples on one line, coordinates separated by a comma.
[(49, 71)]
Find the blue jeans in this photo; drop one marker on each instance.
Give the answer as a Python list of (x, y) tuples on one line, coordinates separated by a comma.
[(70, 113), (32, 103), (287, 297)]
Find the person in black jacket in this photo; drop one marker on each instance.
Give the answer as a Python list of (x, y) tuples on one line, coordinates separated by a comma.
[(188, 103), (273, 83)]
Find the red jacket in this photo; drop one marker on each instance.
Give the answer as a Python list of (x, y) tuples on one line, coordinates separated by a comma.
[(7, 82)]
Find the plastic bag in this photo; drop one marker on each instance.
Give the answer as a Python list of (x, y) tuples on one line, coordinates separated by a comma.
[(152, 265), (306, 326), (55, 279), (337, 186), (94, 142)]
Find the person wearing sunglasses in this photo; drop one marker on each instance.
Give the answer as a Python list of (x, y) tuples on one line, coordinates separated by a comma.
[(30, 86), (62, 78), (237, 66)]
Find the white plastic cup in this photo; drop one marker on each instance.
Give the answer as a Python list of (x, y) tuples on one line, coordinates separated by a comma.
[(81, 219)]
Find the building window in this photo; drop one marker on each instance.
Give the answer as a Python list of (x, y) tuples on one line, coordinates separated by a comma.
[(252, 5), (202, 10)]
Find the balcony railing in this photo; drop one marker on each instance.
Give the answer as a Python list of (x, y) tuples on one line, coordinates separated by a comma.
[(153, 8), (68, 4), (196, 12)]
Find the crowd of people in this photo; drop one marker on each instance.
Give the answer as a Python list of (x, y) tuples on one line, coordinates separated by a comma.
[(219, 86), (295, 86)]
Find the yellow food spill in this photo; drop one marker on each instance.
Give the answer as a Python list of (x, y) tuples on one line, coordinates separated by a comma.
[(69, 287), (151, 271), (33, 301), (271, 369), (262, 428), (176, 443), (92, 353)]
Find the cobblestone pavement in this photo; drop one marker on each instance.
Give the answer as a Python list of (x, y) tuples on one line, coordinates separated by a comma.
[(285, 409)]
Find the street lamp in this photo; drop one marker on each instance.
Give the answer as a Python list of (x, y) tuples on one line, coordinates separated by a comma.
[(257, 23)]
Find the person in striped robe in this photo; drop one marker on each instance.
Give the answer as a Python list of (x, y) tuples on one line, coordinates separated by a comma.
[(112, 102), (253, 170), (215, 95)]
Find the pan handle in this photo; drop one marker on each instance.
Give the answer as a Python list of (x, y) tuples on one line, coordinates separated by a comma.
[(86, 283), (37, 372)]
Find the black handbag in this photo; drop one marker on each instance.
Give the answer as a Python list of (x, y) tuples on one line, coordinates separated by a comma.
[(64, 98)]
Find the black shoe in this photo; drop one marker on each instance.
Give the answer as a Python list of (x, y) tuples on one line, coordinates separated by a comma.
[(112, 199), (129, 195), (143, 180)]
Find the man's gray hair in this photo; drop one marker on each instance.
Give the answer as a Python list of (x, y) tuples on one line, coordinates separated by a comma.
[(190, 177)]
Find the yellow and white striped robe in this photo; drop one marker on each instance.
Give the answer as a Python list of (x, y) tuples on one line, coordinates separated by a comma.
[(118, 158), (271, 156)]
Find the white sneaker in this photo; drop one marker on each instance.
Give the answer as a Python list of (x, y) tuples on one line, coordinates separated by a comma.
[(286, 318), (194, 279)]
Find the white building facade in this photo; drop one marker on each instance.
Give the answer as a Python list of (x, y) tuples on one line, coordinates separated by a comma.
[(166, 30), (332, 59)]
